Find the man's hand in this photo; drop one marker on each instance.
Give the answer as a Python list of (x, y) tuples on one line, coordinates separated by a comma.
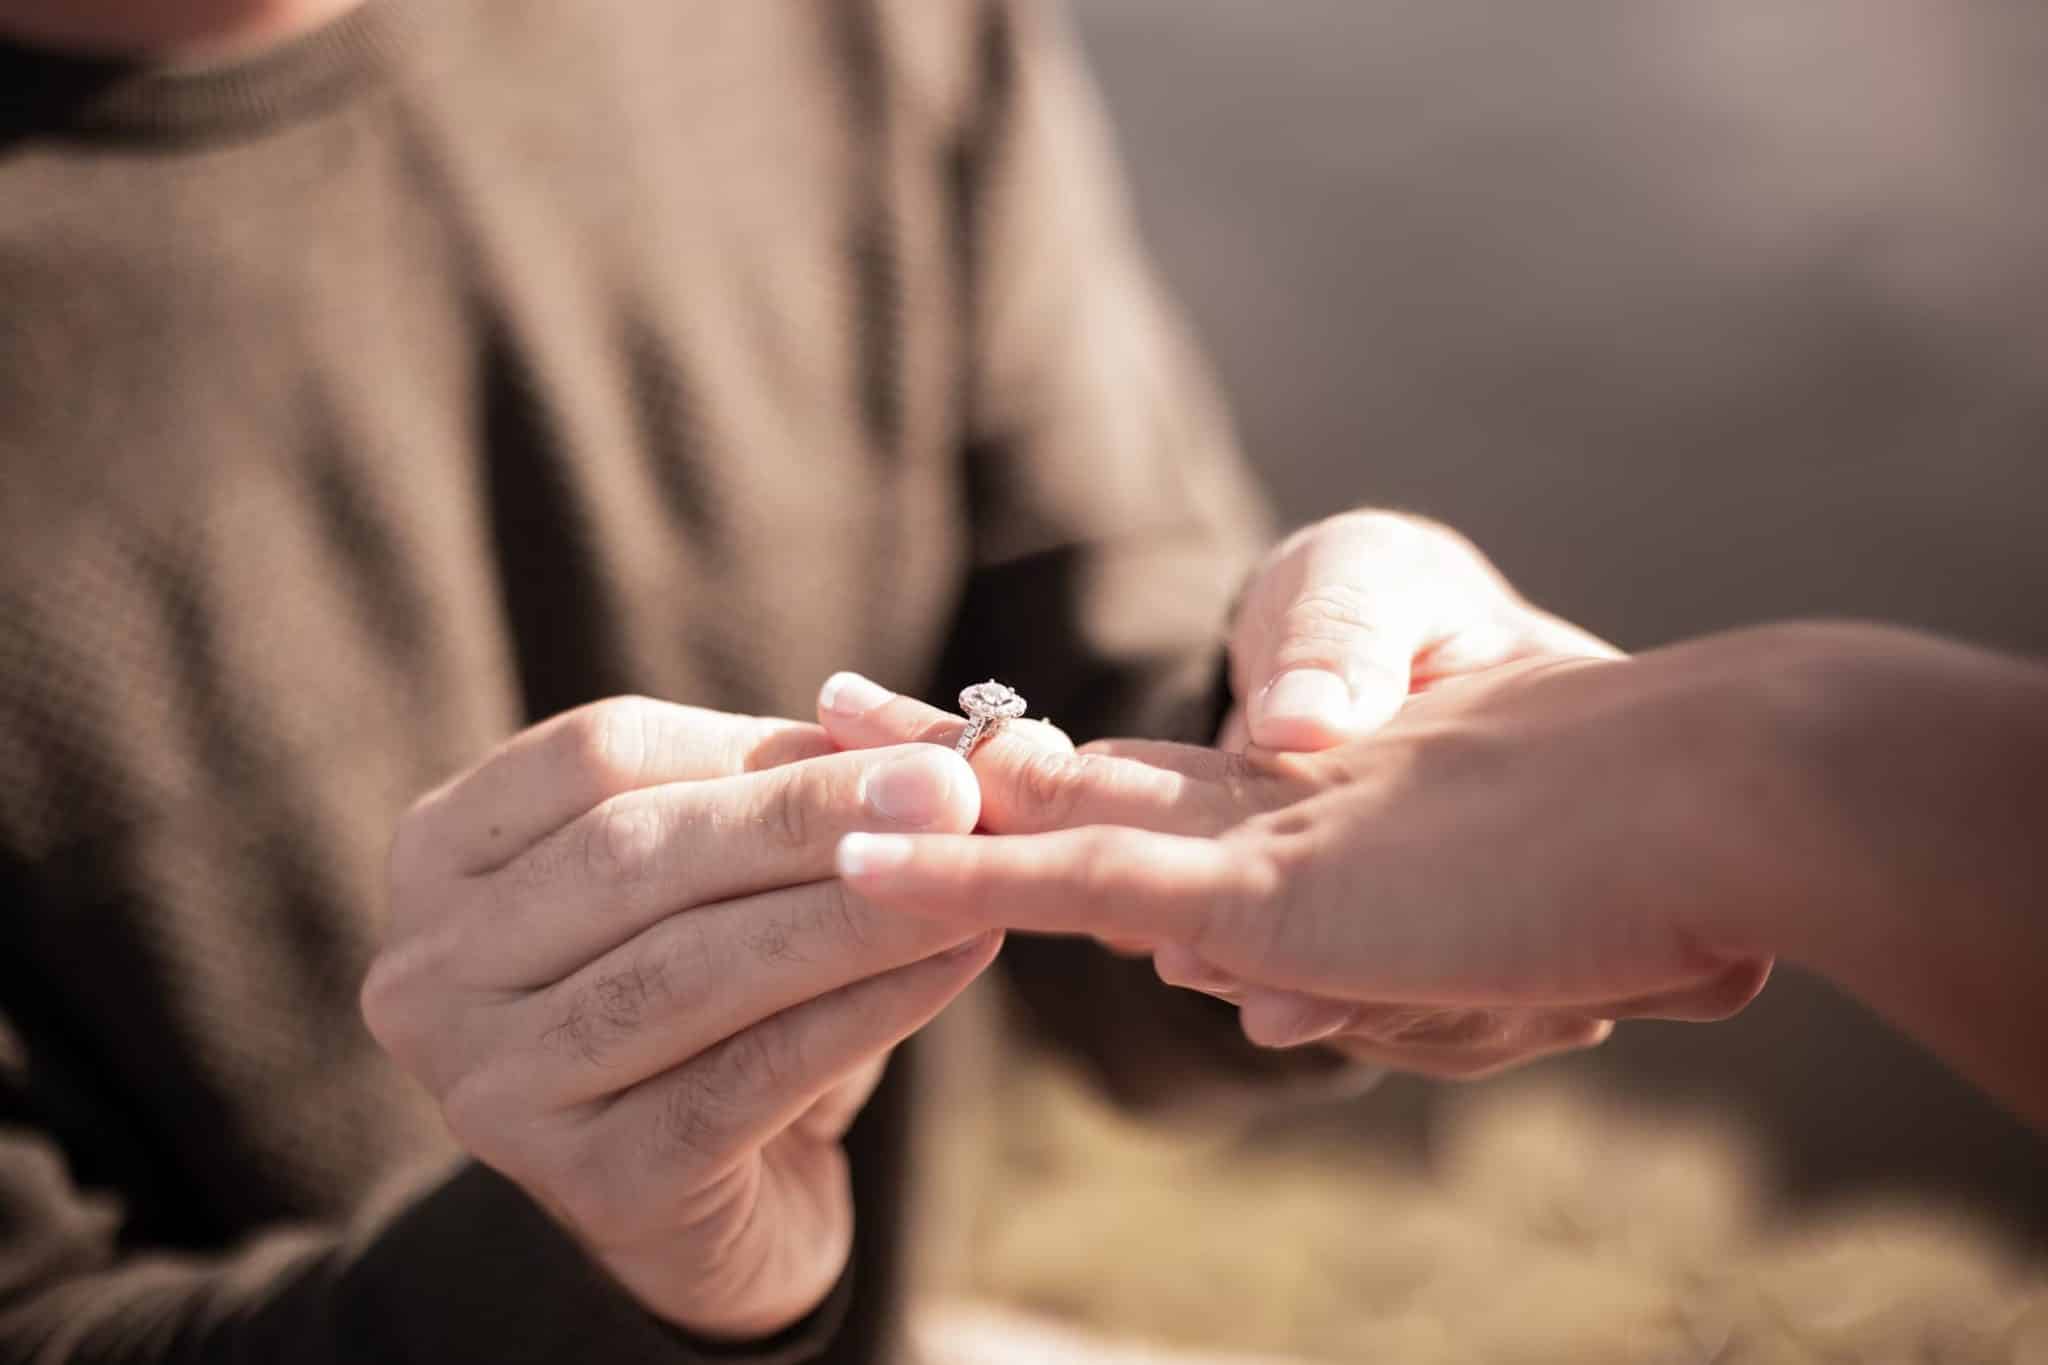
[(1512, 863), (619, 959), (1348, 617)]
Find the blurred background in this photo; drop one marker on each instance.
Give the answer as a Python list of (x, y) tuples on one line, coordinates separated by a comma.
[(1692, 313)]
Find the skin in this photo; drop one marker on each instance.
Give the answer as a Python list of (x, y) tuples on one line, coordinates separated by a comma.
[(619, 958), (1591, 839), (552, 907), (565, 1060), (1383, 609)]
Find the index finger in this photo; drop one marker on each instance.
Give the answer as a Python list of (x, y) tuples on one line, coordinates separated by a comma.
[(551, 773), (1135, 886)]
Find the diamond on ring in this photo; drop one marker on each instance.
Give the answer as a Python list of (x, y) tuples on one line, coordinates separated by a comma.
[(987, 704)]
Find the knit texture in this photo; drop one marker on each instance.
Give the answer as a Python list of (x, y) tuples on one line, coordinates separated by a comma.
[(461, 363)]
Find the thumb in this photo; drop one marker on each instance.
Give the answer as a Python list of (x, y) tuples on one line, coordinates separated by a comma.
[(1326, 663)]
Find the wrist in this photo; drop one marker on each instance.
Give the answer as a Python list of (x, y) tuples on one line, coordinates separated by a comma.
[(1773, 745), (1938, 750), (1927, 759), (1894, 781), (730, 1308)]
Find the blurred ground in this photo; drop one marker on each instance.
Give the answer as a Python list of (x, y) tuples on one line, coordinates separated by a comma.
[(1693, 313), (1546, 1226)]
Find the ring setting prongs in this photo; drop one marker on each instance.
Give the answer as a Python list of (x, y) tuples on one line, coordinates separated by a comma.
[(988, 705)]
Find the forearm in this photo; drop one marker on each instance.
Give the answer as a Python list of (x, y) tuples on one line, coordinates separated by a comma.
[(1931, 763), (1111, 517)]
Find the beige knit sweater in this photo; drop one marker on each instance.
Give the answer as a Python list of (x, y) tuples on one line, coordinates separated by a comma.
[(459, 363)]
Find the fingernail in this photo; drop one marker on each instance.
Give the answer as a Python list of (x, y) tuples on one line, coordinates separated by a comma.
[(1183, 967), (973, 945), (865, 855), (1309, 1023), (1320, 1022), (849, 694), (914, 790), (1312, 696)]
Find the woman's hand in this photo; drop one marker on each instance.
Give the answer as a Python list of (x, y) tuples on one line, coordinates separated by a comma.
[(1516, 860)]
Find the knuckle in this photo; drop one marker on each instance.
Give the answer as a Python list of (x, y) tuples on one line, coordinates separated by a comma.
[(670, 970), (380, 1000), (578, 1034), (760, 1061), (773, 940), (611, 1008), (398, 995), (608, 743), (1050, 782), (622, 841), (623, 999), (787, 818), (1329, 613), (835, 916), (478, 1109), (693, 1123)]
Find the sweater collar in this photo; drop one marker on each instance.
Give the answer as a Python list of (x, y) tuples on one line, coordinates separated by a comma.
[(137, 100)]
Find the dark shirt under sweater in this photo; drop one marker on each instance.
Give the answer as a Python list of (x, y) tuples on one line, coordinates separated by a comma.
[(367, 400)]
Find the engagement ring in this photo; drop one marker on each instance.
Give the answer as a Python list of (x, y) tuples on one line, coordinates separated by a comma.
[(987, 705)]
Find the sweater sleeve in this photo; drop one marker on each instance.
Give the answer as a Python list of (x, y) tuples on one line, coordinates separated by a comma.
[(464, 1269), (1113, 521)]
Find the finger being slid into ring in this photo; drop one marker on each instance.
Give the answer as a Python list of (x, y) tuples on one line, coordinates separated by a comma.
[(1032, 778), (860, 713)]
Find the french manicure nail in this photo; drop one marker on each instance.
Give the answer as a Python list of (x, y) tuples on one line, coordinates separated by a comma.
[(865, 855), (1295, 1023), (972, 946), (915, 790), (1316, 1023), (1183, 967), (849, 694)]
